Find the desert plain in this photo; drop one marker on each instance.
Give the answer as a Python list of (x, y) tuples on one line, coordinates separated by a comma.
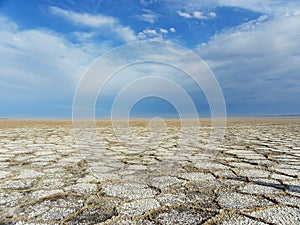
[(47, 177)]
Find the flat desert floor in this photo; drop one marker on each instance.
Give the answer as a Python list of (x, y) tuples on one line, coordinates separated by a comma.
[(46, 177)]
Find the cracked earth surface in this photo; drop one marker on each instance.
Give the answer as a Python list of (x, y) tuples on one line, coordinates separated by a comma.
[(254, 179)]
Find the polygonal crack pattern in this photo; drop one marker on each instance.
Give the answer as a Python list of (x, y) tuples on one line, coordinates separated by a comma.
[(254, 179)]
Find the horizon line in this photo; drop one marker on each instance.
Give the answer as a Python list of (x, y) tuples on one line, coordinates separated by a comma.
[(292, 116)]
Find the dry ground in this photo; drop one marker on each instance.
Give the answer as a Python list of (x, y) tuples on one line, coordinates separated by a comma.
[(254, 178)]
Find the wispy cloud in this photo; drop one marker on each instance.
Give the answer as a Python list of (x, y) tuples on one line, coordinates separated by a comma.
[(258, 62), (83, 19), (184, 14), (40, 68), (6, 24), (272, 7), (148, 2), (98, 22), (148, 16), (196, 15)]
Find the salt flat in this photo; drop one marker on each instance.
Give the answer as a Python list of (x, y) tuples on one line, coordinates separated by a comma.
[(254, 178)]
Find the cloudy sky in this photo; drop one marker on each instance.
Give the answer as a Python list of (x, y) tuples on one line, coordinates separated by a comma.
[(252, 47)]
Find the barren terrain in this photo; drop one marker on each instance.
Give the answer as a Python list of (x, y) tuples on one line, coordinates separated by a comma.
[(46, 179)]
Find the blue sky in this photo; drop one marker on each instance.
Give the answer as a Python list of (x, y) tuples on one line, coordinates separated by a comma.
[(253, 48)]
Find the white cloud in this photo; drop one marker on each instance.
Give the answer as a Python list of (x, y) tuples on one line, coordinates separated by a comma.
[(84, 36), (83, 19), (154, 35), (184, 14), (172, 30), (39, 67), (164, 31), (258, 62), (149, 2), (150, 34), (161, 53), (149, 16), (105, 24), (6, 24), (266, 6), (295, 12), (125, 33), (271, 7), (198, 15), (141, 36), (212, 14)]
